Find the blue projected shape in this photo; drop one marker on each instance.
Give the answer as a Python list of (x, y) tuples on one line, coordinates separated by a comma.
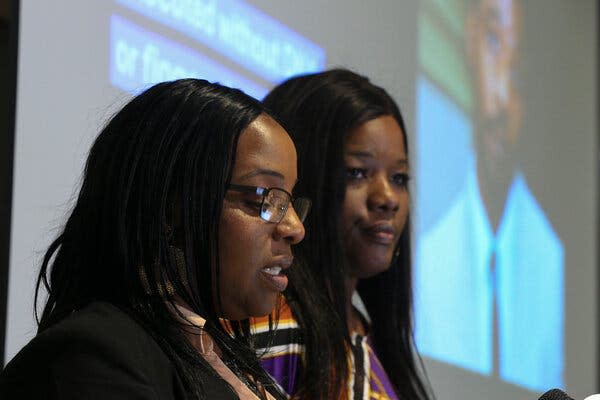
[(530, 293), (140, 58), (453, 284), (242, 33), (443, 152), (464, 271)]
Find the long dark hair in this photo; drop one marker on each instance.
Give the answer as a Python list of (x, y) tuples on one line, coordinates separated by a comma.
[(319, 111), (152, 191)]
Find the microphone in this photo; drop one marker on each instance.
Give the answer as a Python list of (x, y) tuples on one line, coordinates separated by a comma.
[(555, 394)]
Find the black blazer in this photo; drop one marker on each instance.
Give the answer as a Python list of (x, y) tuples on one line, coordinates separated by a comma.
[(99, 352)]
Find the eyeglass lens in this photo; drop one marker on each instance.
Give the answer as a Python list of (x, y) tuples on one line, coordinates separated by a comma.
[(276, 203), (302, 206)]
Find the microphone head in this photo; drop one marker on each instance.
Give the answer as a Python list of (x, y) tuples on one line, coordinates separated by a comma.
[(555, 394)]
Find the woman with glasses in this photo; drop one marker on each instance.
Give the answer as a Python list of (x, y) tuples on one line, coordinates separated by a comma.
[(182, 231), (345, 329)]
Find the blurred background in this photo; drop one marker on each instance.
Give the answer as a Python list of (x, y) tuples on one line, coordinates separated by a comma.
[(500, 99)]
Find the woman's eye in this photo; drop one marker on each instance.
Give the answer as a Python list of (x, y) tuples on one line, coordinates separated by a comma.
[(400, 179), (256, 205), (355, 174)]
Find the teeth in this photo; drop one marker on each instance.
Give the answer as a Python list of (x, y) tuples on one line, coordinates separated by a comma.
[(272, 270)]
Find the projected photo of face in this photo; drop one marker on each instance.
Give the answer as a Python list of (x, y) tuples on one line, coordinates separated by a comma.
[(492, 52), (488, 263)]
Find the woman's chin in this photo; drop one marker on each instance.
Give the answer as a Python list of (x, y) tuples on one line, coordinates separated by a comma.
[(371, 268)]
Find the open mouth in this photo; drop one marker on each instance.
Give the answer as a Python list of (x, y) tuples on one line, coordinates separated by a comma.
[(274, 271), (275, 276)]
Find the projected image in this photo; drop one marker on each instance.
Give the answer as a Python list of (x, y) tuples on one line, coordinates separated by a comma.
[(488, 263), (258, 51)]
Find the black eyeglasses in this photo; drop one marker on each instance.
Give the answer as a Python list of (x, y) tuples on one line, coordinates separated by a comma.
[(275, 202)]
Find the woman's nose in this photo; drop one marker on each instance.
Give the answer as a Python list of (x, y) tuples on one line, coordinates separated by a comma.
[(290, 227), (383, 196)]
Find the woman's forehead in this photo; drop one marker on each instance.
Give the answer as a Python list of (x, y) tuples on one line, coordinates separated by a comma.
[(265, 146)]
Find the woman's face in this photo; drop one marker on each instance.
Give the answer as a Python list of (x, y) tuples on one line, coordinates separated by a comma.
[(255, 253), (375, 205)]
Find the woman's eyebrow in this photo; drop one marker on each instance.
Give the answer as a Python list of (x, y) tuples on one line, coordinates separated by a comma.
[(262, 171), (367, 155), (360, 154)]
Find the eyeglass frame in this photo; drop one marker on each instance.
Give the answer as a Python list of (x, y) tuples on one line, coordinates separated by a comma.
[(263, 192)]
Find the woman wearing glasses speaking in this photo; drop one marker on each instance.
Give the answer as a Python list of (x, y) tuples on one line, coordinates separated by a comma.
[(353, 160), (183, 221)]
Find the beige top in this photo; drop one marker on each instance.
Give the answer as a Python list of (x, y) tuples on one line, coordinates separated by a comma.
[(205, 346)]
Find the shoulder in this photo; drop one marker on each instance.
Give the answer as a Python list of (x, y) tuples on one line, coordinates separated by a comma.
[(99, 342), (99, 327)]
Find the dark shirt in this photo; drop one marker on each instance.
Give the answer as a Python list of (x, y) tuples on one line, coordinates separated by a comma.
[(99, 352)]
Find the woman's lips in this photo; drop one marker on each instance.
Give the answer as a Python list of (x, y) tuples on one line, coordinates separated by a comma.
[(380, 232), (278, 282), (273, 273)]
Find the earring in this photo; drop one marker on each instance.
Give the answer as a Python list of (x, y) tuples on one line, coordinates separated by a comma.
[(178, 259), (144, 279), (396, 255)]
